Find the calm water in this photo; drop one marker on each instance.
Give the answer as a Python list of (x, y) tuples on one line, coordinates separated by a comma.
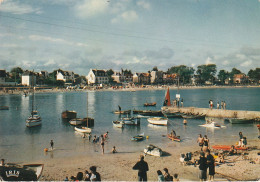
[(19, 144)]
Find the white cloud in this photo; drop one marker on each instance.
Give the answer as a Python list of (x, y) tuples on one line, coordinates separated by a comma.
[(209, 61), (226, 62), (90, 8), (129, 16), (144, 4), (17, 7), (246, 63)]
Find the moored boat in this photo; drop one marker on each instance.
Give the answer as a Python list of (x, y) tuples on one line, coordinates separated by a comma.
[(153, 150), (138, 138), (4, 108), (131, 121), (193, 116), (123, 112), (118, 124), (212, 124), (149, 104), (76, 121), (158, 121), (37, 168), (174, 138), (240, 120), (227, 147), (150, 113), (82, 129), (69, 114)]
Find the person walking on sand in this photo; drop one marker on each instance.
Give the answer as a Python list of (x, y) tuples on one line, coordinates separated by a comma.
[(102, 143), (52, 144), (142, 168), (202, 167), (211, 165), (200, 140)]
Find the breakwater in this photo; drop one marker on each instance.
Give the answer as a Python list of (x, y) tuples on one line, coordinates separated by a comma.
[(220, 113)]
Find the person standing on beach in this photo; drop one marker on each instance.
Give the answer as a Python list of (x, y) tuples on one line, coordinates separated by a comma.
[(181, 102), (142, 168), (102, 143), (240, 135), (185, 122), (202, 167), (211, 165), (205, 143), (200, 140), (52, 144), (224, 105), (218, 105)]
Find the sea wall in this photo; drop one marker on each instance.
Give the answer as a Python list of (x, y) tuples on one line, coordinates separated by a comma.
[(221, 113)]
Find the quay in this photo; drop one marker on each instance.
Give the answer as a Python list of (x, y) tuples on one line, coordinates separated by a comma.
[(218, 113)]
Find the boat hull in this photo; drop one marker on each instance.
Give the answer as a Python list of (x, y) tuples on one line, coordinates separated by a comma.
[(122, 112), (35, 121), (158, 121), (131, 121), (239, 121), (227, 147), (153, 150), (117, 124), (77, 121), (83, 129), (176, 139), (69, 115)]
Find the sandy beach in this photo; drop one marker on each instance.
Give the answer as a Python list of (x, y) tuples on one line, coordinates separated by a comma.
[(118, 167)]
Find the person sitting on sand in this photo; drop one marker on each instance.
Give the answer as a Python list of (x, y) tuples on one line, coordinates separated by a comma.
[(232, 151), (2, 162), (175, 177), (114, 150), (220, 158), (66, 179), (244, 142), (167, 176), (87, 176), (160, 176), (95, 176)]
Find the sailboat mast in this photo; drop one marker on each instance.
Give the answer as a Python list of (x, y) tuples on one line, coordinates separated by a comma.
[(87, 108), (33, 93)]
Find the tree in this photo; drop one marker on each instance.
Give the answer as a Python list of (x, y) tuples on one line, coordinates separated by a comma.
[(183, 71), (223, 75), (232, 73), (16, 74), (110, 72), (254, 75), (155, 68), (206, 72)]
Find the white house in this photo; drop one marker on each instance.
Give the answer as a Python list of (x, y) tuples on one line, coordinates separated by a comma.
[(64, 75), (97, 77), (28, 78), (156, 77)]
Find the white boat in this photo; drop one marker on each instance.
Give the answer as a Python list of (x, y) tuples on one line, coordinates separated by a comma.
[(131, 121), (118, 124), (82, 129), (153, 150), (212, 125), (158, 121), (76, 121), (240, 120), (37, 168)]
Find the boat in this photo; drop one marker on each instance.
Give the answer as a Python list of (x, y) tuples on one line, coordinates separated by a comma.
[(153, 150), (149, 104), (123, 112), (158, 121), (151, 113), (193, 116), (118, 124), (82, 129), (4, 108), (76, 121), (69, 115), (172, 115), (227, 147), (138, 138), (14, 172), (167, 99), (131, 121), (174, 138), (240, 120), (34, 119), (212, 124)]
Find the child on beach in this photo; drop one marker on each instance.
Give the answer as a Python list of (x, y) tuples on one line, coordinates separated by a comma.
[(244, 142), (160, 176), (175, 177), (114, 150)]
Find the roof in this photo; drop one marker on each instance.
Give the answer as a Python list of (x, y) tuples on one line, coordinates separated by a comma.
[(65, 73), (241, 75), (99, 72)]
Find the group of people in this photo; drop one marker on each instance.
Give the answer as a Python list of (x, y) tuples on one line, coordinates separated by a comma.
[(242, 140), (93, 175), (176, 102), (222, 105), (206, 161), (142, 167), (203, 142)]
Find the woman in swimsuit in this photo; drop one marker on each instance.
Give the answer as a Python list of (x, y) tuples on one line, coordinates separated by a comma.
[(102, 143), (206, 143)]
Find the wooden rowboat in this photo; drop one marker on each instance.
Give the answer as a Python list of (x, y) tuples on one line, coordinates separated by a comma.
[(82, 129), (122, 112), (227, 147), (149, 104), (158, 121), (174, 138)]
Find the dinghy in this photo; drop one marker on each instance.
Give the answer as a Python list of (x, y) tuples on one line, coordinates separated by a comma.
[(118, 124), (174, 138), (158, 121), (213, 125), (139, 137), (153, 150), (82, 129)]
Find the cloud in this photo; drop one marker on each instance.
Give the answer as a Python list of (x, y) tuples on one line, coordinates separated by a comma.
[(246, 63), (209, 61), (18, 8), (143, 4), (90, 8), (127, 16)]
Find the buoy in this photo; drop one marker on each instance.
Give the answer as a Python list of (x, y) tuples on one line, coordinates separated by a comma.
[(46, 150), (147, 137)]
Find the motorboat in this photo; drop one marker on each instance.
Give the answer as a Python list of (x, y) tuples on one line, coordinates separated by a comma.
[(149, 104), (212, 125), (131, 121), (118, 124), (240, 120), (153, 150), (76, 121), (138, 138), (82, 129), (158, 121), (34, 119)]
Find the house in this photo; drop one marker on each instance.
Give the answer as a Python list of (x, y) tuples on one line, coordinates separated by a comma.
[(28, 78), (142, 78), (2, 76), (65, 76), (121, 77), (96, 76), (44, 74), (170, 78), (156, 77), (240, 78)]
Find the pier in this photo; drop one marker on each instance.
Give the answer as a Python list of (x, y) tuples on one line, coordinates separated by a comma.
[(219, 113)]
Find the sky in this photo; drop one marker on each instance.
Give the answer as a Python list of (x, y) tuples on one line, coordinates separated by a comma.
[(131, 34)]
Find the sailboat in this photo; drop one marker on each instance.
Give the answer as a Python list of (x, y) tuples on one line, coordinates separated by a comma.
[(167, 100), (34, 119)]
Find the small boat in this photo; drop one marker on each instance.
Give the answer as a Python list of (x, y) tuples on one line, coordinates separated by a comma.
[(240, 120), (82, 129), (193, 116), (118, 124), (212, 125), (76, 121), (151, 113), (131, 121), (138, 138), (158, 121), (227, 147), (37, 168), (149, 104), (69, 114), (34, 119), (4, 108), (123, 112), (172, 115), (153, 150), (174, 138)]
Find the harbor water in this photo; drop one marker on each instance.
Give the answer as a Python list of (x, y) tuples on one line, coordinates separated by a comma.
[(21, 144)]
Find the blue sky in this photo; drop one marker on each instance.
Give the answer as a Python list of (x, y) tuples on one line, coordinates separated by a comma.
[(133, 34)]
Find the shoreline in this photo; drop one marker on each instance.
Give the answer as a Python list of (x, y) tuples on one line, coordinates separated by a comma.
[(133, 89)]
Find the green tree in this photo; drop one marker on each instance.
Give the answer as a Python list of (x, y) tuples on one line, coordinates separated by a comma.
[(16, 74), (223, 75), (155, 68), (254, 75), (183, 71), (110, 72), (206, 72)]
